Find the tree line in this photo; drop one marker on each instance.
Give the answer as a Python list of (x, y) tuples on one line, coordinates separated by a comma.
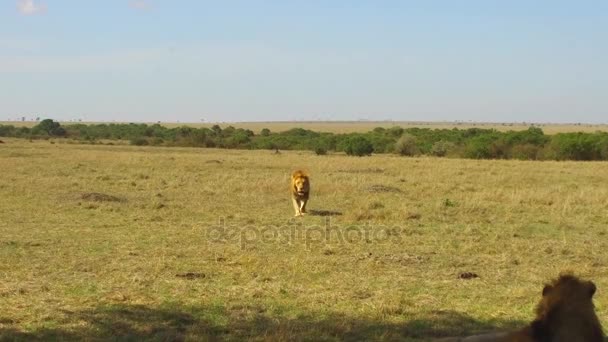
[(476, 143)]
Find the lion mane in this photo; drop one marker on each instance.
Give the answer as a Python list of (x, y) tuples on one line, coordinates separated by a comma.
[(565, 313)]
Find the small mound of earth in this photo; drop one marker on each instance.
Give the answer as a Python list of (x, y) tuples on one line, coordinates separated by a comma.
[(213, 161), (383, 188), (370, 170), (468, 275), (99, 197), (190, 275)]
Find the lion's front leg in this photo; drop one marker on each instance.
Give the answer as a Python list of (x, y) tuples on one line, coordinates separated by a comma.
[(296, 207), (303, 206)]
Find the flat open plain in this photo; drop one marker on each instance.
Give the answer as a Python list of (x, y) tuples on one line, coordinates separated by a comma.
[(160, 243)]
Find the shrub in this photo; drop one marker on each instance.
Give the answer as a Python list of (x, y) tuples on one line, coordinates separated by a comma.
[(265, 132), (533, 136), (525, 152), (576, 146), (49, 127), (157, 141), (382, 143), (139, 142), (7, 131), (602, 146), (238, 139), (358, 146), (395, 131), (441, 148), (483, 146), (320, 151), (406, 145)]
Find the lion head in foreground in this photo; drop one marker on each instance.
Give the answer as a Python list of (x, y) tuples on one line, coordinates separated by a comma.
[(566, 312)]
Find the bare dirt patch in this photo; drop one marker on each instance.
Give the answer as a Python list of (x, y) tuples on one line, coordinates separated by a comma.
[(468, 275), (100, 197), (191, 275), (321, 212), (377, 188), (368, 170)]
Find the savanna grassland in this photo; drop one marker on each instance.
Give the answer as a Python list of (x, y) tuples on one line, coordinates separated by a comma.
[(101, 242)]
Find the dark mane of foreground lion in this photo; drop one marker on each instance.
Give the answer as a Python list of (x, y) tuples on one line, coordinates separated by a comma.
[(565, 314)]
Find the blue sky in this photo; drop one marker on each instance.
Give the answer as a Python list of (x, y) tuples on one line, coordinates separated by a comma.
[(187, 60)]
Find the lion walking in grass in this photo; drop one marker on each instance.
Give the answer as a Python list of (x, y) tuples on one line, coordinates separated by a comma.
[(300, 191)]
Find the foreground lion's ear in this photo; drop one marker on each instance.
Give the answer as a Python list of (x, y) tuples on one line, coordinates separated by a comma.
[(547, 289), (592, 289)]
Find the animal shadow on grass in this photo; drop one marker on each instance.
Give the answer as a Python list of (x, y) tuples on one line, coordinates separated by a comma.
[(319, 212), (245, 322)]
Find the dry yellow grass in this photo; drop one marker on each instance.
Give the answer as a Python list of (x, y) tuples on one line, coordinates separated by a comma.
[(201, 243)]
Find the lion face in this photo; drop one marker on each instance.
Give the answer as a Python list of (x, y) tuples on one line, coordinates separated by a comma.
[(301, 185)]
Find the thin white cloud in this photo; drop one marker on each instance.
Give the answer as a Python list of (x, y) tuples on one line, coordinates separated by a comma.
[(30, 7), (142, 5)]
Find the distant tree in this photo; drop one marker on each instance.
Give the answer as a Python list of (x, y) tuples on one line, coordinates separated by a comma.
[(228, 131), (238, 139), (441, 148), (140, 142), (320, 150), (49, 127), (395, 131), (358, 146), (217, 130), (406, 145)]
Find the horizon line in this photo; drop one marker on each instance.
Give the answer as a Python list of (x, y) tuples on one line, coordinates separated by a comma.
[(409, 122)]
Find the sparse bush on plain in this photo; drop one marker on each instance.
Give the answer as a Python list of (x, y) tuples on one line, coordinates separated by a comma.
[(157, 142), (406, 145), (320, 150), (50, 128), (139, 142), (525, 152), (441, 148), (358, 146), (481, 147)]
